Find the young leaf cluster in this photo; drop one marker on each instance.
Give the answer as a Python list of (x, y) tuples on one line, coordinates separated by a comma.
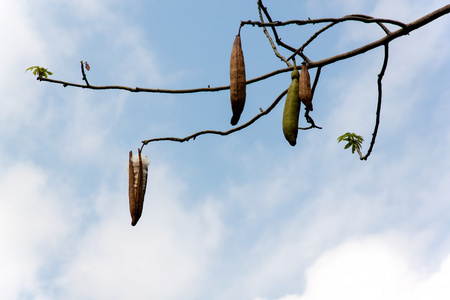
[(39, 71), (353, 140)]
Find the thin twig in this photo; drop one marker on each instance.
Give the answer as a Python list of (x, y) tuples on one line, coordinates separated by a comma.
[(163, 91), (380, 96), (193, 136), (84, 74), (359, 18), (316, 80), (271, 41), (275, 34), (310, 127), (315, 35), (310, 121)]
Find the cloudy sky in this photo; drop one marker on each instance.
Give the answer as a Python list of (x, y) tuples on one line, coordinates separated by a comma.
[(245, 216)]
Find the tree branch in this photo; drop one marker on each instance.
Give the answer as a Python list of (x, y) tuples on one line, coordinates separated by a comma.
[(193, 136), (405, 30), (355, 17), (388, 38), (380, 96), (270, 39), (84, 74)]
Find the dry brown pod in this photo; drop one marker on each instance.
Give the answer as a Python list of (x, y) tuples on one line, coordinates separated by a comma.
[(137, 184), (304, 91), (237, 80)]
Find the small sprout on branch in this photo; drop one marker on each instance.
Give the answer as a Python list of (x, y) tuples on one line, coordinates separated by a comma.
[(40, 72), (353, 140), (83, 64)]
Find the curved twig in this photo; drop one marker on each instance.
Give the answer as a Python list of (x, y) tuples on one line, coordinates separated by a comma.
[(277, 54), (193, 136), (355, 17), (380, 96), (271, 25)]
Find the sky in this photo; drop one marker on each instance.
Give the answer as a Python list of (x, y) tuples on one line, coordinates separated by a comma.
[(244, 216)]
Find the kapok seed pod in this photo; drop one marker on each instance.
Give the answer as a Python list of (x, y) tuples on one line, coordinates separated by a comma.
[(292, 110), (137, 184), (305, 94), (237, 80)]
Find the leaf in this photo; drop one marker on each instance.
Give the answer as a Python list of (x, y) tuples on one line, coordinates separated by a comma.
[(343, 137), (39, 71), (30, 68), (353, 140)]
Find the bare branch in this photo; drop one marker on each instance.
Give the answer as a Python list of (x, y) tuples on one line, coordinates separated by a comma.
[(316, 80), (84, 74), (193, 136), (405, 30), (271, 41), (355, 17), (380, 96), (388, 38), (270, 24)]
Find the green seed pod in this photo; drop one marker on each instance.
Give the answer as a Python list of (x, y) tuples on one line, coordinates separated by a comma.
[(237, 80), (305, 88), (292, 110)]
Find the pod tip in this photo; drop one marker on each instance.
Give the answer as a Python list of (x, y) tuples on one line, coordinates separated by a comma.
[(234, 119)]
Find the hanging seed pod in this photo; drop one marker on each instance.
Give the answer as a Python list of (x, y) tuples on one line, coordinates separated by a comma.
[(237, 80), (137, 183), (305, 94), (292, 110)]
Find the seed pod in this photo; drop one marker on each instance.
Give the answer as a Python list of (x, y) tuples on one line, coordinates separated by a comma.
[(305, 94), (292, 110), (137, 183), (237, 80)]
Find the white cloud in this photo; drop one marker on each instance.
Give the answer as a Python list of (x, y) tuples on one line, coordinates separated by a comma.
[(372, 268), (35, 220), (169, 247), (49, 228), (62, 245), (365, 269)]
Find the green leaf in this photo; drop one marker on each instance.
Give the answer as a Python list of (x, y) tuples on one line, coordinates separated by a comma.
[(30, 68), (39, 71), (353, 140)]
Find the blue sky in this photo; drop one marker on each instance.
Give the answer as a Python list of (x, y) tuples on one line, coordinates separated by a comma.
[(245, 216)]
